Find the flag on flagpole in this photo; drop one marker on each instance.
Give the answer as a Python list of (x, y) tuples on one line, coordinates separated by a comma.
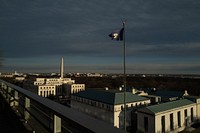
[(117, 35)]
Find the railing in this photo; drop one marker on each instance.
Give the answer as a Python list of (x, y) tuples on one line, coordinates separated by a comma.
[(43, 115)]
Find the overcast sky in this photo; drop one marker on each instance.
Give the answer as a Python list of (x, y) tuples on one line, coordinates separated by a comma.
[(162, 36)]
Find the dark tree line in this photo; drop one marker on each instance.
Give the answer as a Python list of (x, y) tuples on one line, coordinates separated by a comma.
[(160, 83)]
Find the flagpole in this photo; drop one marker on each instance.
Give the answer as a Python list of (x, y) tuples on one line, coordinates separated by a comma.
[(124, 44)]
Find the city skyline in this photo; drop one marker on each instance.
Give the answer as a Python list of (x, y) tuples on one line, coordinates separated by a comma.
[(161, 36)]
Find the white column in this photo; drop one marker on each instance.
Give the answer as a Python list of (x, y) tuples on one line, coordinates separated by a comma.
[(27, 106), (57, 124), (8, 93), (16, 96)]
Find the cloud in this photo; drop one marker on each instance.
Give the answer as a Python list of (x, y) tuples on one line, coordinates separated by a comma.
[(167, 29)]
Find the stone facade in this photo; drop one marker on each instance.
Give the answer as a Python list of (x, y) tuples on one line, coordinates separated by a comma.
[(109, 112), (170, 120)]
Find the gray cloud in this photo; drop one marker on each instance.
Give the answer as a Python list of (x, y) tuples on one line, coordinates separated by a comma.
[(168, 29)]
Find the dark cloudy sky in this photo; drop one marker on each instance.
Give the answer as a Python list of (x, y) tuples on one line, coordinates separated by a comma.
[(162, 36)]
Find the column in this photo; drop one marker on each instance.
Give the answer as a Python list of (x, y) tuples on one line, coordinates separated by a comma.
[(27, 106), (57, 124)]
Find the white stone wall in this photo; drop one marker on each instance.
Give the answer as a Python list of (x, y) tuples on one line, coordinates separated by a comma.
[(46, 90), (155, 121), (76, 88), (198, 109), (53, 81), (99, 113), (175, 119), (106, 112)]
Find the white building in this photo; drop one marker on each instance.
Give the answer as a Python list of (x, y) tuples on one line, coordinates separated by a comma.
[(48, 86), (7, 75), (94, 75), (53, 81), (47, 90), (73, 88), (19, 78), (52, 86), (107, 105), (169, 117)]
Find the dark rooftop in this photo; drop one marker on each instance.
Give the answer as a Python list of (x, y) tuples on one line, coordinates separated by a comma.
[(112, 97), (166, 106)]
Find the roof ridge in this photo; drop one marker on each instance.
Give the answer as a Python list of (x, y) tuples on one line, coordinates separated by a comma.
[(169, 105)]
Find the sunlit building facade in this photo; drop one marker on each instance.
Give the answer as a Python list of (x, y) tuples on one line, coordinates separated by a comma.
[(168, 117), (107, 105)]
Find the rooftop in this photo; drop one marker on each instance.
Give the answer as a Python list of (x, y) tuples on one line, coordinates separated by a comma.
[(110, 96), (168, 94), (154, 109)]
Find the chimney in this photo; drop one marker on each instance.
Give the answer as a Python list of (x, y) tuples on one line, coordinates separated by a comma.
[(186, 93)]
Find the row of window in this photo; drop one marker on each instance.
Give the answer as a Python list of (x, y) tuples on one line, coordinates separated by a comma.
[(46, 93), (78, 86), (94, 103), (134, 105), (52, 79), (186, 118), (47, 87), (106, 106), (77, 90), (38, 83)]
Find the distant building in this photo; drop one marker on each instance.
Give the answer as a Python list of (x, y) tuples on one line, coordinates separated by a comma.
[(94, 75), (47, 86), (19, 78), (167, 96), (171, 117), (47, 90), (154, 99), (54, 81), (7, 75), (53, 86), (138, 92), (69, 89), (107, 105)]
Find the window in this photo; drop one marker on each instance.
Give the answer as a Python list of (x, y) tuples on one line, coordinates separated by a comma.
[(185, 112), (163, 124), (192, 115), (179, 118), (171, 122), (107, 106), (146, 124)]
